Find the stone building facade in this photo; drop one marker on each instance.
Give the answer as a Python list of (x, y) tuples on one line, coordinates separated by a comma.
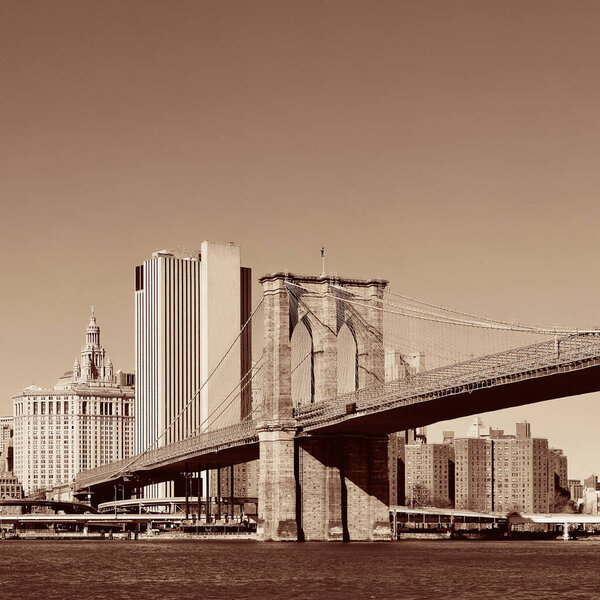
[(85, 421)]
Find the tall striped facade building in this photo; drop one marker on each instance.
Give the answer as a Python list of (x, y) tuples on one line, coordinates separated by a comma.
[(85, 421), (189, 308), (6, 432), (167, 347)]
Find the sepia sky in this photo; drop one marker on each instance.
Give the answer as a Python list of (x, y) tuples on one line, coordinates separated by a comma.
[(449, 147)]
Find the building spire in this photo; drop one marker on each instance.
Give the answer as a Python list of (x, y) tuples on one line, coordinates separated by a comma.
[(92, 333)]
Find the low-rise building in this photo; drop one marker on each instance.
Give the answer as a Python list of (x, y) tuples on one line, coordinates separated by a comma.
[(10, 487)]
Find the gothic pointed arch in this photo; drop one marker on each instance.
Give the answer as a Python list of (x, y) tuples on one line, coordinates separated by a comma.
[(347, 359), (302, 376)]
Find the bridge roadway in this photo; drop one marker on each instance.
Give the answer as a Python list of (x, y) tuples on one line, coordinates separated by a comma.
[(88, 519), (559, 368), (566, 367), (56, 505), (229, 445)]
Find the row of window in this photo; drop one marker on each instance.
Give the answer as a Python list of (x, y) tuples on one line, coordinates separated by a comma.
[(61, 407)]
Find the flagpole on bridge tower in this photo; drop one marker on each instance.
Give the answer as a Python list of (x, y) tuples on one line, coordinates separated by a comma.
[(323, 260)]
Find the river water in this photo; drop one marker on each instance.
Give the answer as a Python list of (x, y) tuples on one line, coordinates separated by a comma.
[(164, 569)]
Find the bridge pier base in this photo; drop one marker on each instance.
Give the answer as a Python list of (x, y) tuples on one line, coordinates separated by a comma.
[(343, 488), (322, 488), (277, 520)]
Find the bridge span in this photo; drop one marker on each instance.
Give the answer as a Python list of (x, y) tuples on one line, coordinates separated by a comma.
[(323, 463)]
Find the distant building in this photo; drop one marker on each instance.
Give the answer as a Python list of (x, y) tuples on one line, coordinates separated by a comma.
[(474, 474), (521, 475), (591, 482), (488, 471), (448, 437), (6, 444), (523, 430), (245, 481), (401, 366), (429, 474), (85, 421), (396, 467), (6, 432), (558, 481), (10, 486), (499, 472), (575, 489), (477, 429), (591, 501)]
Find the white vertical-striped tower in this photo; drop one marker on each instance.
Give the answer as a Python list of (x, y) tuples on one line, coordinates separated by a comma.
[(187, 314)]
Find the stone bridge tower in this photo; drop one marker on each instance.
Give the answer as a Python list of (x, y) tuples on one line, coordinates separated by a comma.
[(320, 487)]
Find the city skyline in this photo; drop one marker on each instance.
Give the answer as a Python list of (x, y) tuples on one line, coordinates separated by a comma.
[(456, 162)]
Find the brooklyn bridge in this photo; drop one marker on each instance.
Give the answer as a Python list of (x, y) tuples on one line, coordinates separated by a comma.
[(339, 364)]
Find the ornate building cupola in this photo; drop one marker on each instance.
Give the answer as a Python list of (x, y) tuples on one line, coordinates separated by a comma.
[(93, 368), (92, 333), (92, 354)]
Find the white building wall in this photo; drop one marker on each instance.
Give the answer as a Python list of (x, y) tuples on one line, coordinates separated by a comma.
[(58, 434), (167, 341), (220, 325)]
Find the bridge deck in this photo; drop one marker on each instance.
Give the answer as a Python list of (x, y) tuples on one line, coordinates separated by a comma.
[(512, 378), (237, 443)]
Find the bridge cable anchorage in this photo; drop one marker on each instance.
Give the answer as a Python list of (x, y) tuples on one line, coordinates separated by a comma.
[(175, 419)]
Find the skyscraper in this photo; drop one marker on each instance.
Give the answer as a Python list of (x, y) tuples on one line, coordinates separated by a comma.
[(189, 309)]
